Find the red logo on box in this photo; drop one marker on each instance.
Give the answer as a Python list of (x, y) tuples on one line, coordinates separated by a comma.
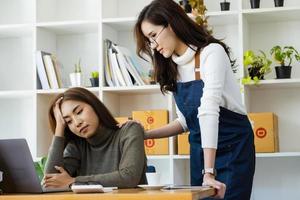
[(150, 143), (150, 120), (261, 132)]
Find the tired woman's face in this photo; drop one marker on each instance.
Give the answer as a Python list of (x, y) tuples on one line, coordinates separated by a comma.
[(160, 38), (80, 117)]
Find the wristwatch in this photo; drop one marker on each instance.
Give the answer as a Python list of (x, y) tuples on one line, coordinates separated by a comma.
[(211, 171)]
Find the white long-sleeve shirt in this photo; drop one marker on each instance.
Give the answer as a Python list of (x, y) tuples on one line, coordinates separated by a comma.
[(220, 89)]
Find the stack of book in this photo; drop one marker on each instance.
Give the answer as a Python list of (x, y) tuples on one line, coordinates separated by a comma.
[(48, 74), (121, 69)]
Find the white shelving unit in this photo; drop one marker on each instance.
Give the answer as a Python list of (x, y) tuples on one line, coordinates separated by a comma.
[(74, 30)]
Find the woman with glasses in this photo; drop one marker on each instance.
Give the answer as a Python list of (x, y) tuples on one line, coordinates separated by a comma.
[(196, 68)]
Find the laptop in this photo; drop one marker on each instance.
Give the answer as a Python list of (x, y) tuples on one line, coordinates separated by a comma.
[(19, 175)]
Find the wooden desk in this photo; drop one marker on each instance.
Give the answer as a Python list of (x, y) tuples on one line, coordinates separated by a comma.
[(122, 194)]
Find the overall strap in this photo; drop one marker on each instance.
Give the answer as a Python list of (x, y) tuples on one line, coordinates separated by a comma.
[(197, 66)]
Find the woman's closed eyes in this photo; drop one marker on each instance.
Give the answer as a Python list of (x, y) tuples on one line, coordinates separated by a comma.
[(78, 111)]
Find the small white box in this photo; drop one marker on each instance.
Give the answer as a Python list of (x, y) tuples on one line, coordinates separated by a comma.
[(153, 179)]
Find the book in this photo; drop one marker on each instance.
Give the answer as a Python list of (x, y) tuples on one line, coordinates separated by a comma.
[(41, 70), (107, 67), (130, 66), (57, 70), (122, 64), (50, 72), (117, 70), (113, 71), (38, 82)]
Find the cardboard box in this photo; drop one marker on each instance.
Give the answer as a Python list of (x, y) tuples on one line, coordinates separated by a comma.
[(183, 145), (152, 119), (265, 128), (122, 120)]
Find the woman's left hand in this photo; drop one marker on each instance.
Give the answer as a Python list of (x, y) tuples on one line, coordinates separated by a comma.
[(209, 180), (62, 179)]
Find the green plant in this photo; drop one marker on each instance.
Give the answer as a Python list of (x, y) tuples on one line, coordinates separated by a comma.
[(284, 55), (199, 10), (257, 66), (40, 167), (95, 74), (78, 67)]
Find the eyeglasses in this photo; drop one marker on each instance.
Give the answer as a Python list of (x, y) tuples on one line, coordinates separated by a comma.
[(152, 40)]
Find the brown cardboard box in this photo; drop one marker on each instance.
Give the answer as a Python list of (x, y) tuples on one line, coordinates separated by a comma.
[(265, 128), (183, 144), (122, 120), (152, 119)]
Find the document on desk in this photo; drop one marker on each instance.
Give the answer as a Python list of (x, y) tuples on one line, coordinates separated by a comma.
[(184, 187), (91, 189)]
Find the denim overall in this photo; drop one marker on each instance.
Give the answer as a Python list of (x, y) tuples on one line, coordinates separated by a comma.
[(235, 156)]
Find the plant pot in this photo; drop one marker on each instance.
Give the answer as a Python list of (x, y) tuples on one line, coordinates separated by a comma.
[(225, 6), (94, 82), (255, 72), (278, 3), (254, 3), (75, 79), (283, 72)]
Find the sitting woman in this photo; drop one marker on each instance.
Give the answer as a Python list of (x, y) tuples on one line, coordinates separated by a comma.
[(89, 147)]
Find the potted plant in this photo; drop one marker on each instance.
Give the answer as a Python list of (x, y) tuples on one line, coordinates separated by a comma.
[(199, 13), (257, 66), (225, 5), (75, 77), (95, 79), (40, 167), (185, 6), (254, 3), (284, 57), (278, 3)]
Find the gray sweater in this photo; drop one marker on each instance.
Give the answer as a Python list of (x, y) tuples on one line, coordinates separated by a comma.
[(110, 157)]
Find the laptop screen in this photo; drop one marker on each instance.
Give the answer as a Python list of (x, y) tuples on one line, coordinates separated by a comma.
[(19, 175)]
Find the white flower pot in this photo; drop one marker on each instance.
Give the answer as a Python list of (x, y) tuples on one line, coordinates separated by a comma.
[(78, 79), (75, 79)]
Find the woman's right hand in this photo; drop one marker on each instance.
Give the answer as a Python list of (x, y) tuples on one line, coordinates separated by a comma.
[(209, 180), (60, 122)]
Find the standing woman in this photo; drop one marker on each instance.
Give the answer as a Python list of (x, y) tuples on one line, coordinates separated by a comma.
[(196, 67)]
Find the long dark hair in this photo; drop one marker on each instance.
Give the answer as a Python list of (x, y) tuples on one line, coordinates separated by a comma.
[(80, 94), (168, 12)]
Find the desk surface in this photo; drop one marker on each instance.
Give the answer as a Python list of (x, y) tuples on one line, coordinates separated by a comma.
[(122, 194)]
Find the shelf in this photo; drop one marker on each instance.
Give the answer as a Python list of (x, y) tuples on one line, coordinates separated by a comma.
[(258, 155), (275, 84), (61, 90), (133, 89), (272, 14), (215, 18), (62, 10), (279, 154), (223, 18), (70, 27), (120, 24), (16, 94), (158, 157), (181, 157), (15, 30)]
